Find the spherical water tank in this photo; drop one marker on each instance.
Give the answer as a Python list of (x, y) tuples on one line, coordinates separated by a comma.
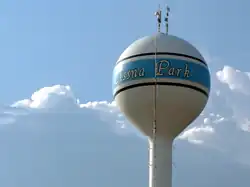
[(180, 74)]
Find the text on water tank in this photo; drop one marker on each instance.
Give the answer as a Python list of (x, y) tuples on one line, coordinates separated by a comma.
[(162, 68)]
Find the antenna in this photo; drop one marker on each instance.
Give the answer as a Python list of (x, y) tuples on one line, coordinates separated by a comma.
[(166, 18), (158, 15), (152, 113), (154, 127)]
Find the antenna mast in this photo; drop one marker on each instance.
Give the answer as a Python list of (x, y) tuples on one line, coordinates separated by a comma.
[(154, 127), (158, 15), (166, 18), (152, 147)]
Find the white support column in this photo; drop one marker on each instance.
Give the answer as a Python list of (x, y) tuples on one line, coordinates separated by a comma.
[(160, 162)]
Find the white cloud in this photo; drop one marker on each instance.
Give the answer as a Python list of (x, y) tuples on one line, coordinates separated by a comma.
[(54, 117), (58, 97), (225, 118), (235, 79), (46, 131), (197, 134), (228, 101), (61, 99)]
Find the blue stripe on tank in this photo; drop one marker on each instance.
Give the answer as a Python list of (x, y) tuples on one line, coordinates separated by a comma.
[(165, 68)]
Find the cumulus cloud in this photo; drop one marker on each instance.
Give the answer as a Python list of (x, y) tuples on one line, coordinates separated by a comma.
[(59, 97), (235, 79), (224, 125), (197, 134), (225, 119)]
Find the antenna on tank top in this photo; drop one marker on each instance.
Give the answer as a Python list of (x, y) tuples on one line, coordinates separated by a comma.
[(166, 18), (158, 15)]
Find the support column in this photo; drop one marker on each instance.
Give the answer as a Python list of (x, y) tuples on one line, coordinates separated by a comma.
[(160, 162)]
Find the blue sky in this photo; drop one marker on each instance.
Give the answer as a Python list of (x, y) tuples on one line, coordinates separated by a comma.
[(77, 42), (51, 139)]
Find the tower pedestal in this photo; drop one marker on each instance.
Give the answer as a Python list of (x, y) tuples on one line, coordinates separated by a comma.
[(160, 162)]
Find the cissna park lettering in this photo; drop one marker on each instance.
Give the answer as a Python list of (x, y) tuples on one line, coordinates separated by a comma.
[(163, 69), (132, 74)]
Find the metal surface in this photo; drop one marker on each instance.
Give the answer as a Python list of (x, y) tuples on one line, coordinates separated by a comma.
[(161, 83)]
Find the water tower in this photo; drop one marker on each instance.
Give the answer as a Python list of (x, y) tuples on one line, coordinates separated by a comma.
[(161, 83)]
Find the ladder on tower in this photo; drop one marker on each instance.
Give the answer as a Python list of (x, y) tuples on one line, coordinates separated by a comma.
[(155, 94)]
